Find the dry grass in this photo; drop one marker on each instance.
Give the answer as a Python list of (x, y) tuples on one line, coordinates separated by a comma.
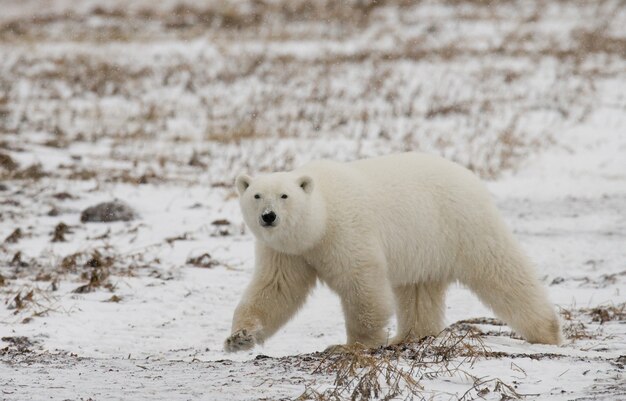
[(7, 163), (577, 330), (482, 3), (90, 74), (33, 172), (60, 231), (601, 281), (444, 110), (187, 19), (17, 261), (17, 345), (30, 302), (598, 41), (386, 373), (82, 174), (95, 268), (242, 94), (244, 130), (586, 323), (14, 237), (607, 313), (114, 299), (205, 261)]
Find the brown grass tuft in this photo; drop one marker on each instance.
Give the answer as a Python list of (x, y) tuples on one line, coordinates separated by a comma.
[(14, 237), (17, 260), (60, 231), (243, 130), (114, 299), (385, 373), (29, 300), (33, 172), (599, 41), (205, 260), (7, 162), (608, 313)]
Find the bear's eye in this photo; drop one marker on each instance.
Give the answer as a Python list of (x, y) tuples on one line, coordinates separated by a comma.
[(257, 196), (284, 196)]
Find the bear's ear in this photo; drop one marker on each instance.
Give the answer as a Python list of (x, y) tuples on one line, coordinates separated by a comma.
[(306, 183), (242, 183)]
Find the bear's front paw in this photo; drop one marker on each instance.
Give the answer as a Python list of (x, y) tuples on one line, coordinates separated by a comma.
[(240, 340)]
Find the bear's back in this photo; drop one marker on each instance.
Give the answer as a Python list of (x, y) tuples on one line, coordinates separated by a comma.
[(413, 203), (392, 180)]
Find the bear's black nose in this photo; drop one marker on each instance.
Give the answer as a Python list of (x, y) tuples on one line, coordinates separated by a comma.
[(268, 218)]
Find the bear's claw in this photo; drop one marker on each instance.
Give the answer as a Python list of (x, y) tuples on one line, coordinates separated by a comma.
[(239, 341)]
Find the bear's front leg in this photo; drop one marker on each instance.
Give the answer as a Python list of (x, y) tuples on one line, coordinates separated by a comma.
[(367, 303), (280, 285)]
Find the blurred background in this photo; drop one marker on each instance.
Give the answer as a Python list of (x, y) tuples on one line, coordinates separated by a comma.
[(201, 90)]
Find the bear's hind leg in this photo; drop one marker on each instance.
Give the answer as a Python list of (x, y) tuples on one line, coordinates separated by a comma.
[(420, 310), (513, 292)]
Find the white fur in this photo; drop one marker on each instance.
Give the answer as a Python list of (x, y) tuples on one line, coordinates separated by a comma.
[(383, 232)]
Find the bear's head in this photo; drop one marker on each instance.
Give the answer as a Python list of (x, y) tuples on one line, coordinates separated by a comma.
[(283, 210)]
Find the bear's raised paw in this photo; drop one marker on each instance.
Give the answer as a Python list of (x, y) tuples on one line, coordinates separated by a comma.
[(240, 340)]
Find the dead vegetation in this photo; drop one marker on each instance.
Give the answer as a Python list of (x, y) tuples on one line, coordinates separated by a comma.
[(14, 237), (598, 41), (7, 163), (607, 313), (17, 261), (285, 95), (404, 370), (94, 266), (482, 320), (114, 299), (576, 330), (186, 19), (125, 176), (97, 279), (602, 281), (82, 174), (29, 302), (385, 373), (244, 130), (17, 345), (60, 231), (587, 323), (205, 260), (34, 172), (63, 196), (224, 228)]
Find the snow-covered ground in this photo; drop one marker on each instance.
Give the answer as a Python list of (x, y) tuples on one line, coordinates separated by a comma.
[(160, 106)]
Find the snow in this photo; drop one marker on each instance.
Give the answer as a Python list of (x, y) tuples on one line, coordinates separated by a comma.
[(102, 111)]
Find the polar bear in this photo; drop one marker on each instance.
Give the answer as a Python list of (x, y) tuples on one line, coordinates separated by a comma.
[(385, 232)]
